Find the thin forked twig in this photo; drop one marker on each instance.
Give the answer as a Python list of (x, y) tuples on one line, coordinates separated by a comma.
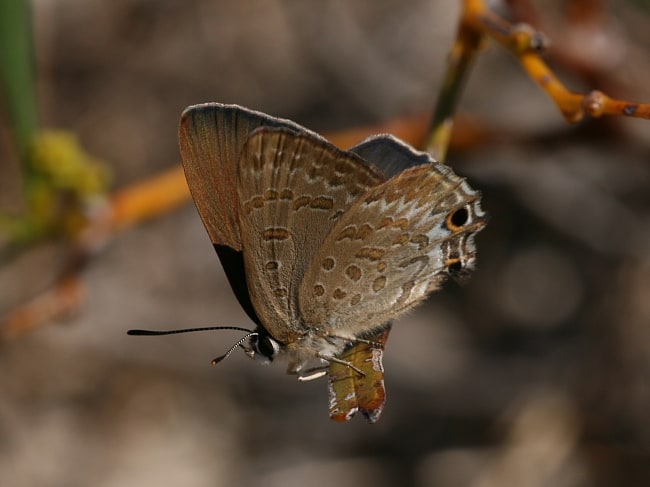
[(477, 24)]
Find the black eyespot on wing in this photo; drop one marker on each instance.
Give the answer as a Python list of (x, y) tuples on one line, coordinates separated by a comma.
[(459, 217), (455, 267)]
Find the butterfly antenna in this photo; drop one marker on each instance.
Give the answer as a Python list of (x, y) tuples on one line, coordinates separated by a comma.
[(185, 330), (223, 357)]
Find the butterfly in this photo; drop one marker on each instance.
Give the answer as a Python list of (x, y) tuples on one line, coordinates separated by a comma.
[(324, 247)]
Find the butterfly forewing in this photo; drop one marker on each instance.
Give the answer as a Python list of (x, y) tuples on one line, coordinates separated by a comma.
[(211, 138), (292, 189), (390, 249), (390, 155)]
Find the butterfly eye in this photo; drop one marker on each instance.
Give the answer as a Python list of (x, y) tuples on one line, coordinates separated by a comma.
[(265, 346), (457, 219)]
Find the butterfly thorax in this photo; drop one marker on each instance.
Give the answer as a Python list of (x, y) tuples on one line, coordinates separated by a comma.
[(312, 349)]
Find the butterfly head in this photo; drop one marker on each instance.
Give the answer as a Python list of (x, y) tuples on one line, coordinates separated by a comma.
[(262, 347)]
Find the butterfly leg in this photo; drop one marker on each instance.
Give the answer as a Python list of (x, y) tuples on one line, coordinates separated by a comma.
[(311, 374)]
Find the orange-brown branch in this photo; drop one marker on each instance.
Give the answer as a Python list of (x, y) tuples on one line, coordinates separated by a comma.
[(527, 43)]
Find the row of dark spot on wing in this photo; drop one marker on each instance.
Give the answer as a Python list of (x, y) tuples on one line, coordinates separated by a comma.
[(457, 249), (372, 254), (317, 171), (392, 157), (332, 167), (303, 201)]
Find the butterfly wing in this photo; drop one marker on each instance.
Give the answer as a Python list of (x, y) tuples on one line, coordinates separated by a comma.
[(390, 249), (292, 188), (389, 154), (211, 138)]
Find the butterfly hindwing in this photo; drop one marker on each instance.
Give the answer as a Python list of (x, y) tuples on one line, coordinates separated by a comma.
[(390, 249)]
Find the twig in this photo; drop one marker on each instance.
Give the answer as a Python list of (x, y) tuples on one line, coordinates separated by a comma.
[(478, 23)]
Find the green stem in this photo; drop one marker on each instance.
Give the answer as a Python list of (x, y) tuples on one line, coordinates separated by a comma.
[(17, 77), (458, 68)]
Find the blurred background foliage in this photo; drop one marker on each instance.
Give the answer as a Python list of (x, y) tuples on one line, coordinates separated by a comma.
[(534, 373)]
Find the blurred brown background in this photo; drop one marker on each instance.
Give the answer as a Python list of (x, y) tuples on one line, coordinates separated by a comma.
[(535, 373)]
